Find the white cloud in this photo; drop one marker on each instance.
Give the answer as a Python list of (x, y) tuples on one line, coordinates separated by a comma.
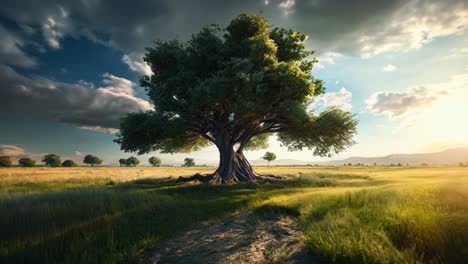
[(398, 103), (56, 26), (340, 99), (80, 104), (11, 150), (287, 4), (414, 25), (107, 130), (51, 33), (327, 58), (441, 121), (135, 63), (389, 68)]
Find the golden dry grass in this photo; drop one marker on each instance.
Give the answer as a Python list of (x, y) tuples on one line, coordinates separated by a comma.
[(347, 214)]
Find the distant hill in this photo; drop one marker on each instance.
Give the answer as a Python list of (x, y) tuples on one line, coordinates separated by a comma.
[(446, 157), (279, 162)]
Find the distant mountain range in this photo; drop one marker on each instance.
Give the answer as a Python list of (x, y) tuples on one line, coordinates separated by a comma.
[(446, 157)]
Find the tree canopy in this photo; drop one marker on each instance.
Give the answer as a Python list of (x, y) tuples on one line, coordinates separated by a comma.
[(92, 160), (189, 162), (26, 162), (69, 163), (155, 161), (52, 160), (5, 161), (132, 161), (269, 156), (234, 90), (123, 162)]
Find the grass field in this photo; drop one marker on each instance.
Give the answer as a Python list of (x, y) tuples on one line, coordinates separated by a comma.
[(347, 214)]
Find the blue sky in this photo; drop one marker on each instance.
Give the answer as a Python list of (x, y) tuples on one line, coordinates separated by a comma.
[(70, 71)]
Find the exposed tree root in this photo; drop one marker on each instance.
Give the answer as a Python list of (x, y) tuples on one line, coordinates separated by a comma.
[(214, 178)]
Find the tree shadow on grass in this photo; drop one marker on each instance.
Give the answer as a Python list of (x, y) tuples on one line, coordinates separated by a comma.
[(117, 222)]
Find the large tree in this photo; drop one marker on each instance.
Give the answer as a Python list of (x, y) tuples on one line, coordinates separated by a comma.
[(234, 90)]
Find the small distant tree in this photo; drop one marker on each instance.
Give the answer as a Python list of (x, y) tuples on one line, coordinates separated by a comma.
[(269, 156), (189, 162), (132, 161), (5, 161), (26, 162), (52, 160), (424, 164), (92, 160), (122, 162), (399, 164), (461, 164), (69, 163), (155, 161)]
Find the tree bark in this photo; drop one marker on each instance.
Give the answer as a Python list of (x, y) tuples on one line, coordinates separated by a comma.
[(233, 167)]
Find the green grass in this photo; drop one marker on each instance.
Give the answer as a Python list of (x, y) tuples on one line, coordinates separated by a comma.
[(404, 225), (348, 215), (117, 223)]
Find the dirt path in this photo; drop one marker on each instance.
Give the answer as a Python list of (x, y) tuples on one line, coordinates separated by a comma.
[(239, 238)]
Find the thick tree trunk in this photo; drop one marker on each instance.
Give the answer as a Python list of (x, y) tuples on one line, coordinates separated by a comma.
[(234, 167)]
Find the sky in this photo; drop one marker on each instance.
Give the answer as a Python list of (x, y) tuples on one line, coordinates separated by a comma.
[(69, 70)]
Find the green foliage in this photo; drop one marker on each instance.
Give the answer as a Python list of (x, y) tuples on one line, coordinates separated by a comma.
[(52, 160), (69, 163), (132, 161), (123, 162), (234, 89), (329, 132), (26, 162), (155, 161), (269, 156), (189, 162), (5, 161), (92, 160)]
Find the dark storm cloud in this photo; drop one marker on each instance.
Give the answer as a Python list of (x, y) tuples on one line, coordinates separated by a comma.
[(360, 27), (354, 28), (80, 104), (11, 49)]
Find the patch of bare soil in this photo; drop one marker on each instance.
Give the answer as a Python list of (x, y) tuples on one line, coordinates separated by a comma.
[(239, 238)]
